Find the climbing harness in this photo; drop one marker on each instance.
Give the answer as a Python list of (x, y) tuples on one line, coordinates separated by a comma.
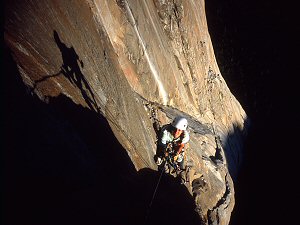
[(170, 158)]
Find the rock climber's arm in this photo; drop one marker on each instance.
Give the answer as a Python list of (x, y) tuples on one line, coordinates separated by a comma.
[(185, 139), (165, 139)]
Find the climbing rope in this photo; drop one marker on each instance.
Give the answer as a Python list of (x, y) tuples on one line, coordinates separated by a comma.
[(166, 160), (154, 193)]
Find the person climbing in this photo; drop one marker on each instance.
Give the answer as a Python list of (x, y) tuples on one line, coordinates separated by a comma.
[(171, 144)]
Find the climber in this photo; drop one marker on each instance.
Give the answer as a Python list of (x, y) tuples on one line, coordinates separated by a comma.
[(171, 144)]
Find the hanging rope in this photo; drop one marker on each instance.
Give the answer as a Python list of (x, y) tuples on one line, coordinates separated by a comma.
[(154, 193), (167, 159)]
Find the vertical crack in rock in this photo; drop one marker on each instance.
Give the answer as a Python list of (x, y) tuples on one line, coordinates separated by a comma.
[(217, 214), (219, 157), (152, 67), (179, 13)]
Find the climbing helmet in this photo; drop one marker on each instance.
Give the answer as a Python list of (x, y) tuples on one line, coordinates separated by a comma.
[(180, 123)]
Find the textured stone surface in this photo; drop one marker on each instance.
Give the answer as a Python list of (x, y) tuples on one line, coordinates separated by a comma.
[(136, 63)]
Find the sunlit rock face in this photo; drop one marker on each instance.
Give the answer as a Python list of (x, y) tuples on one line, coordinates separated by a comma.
[(137, 63)]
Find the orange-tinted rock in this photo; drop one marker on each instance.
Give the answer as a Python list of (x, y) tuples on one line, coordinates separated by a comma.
[(123, 59)]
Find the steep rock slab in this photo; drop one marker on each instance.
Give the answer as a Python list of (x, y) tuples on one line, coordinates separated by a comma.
[(119, 57)]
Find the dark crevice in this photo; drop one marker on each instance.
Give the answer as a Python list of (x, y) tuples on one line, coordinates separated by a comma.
[(218, 158), (213, 214)]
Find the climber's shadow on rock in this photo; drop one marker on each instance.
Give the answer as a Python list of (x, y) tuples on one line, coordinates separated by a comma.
[(71, 70)]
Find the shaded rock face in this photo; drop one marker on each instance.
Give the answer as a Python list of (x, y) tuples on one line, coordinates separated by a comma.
[(135, 64)]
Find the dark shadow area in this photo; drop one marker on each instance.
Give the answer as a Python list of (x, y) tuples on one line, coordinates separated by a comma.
[(233, 149), (63, 165), (172, 203), (255, 43), (71, 70), (46, 78)]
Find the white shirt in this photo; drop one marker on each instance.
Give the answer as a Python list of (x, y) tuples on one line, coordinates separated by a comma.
[(167, 136)]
